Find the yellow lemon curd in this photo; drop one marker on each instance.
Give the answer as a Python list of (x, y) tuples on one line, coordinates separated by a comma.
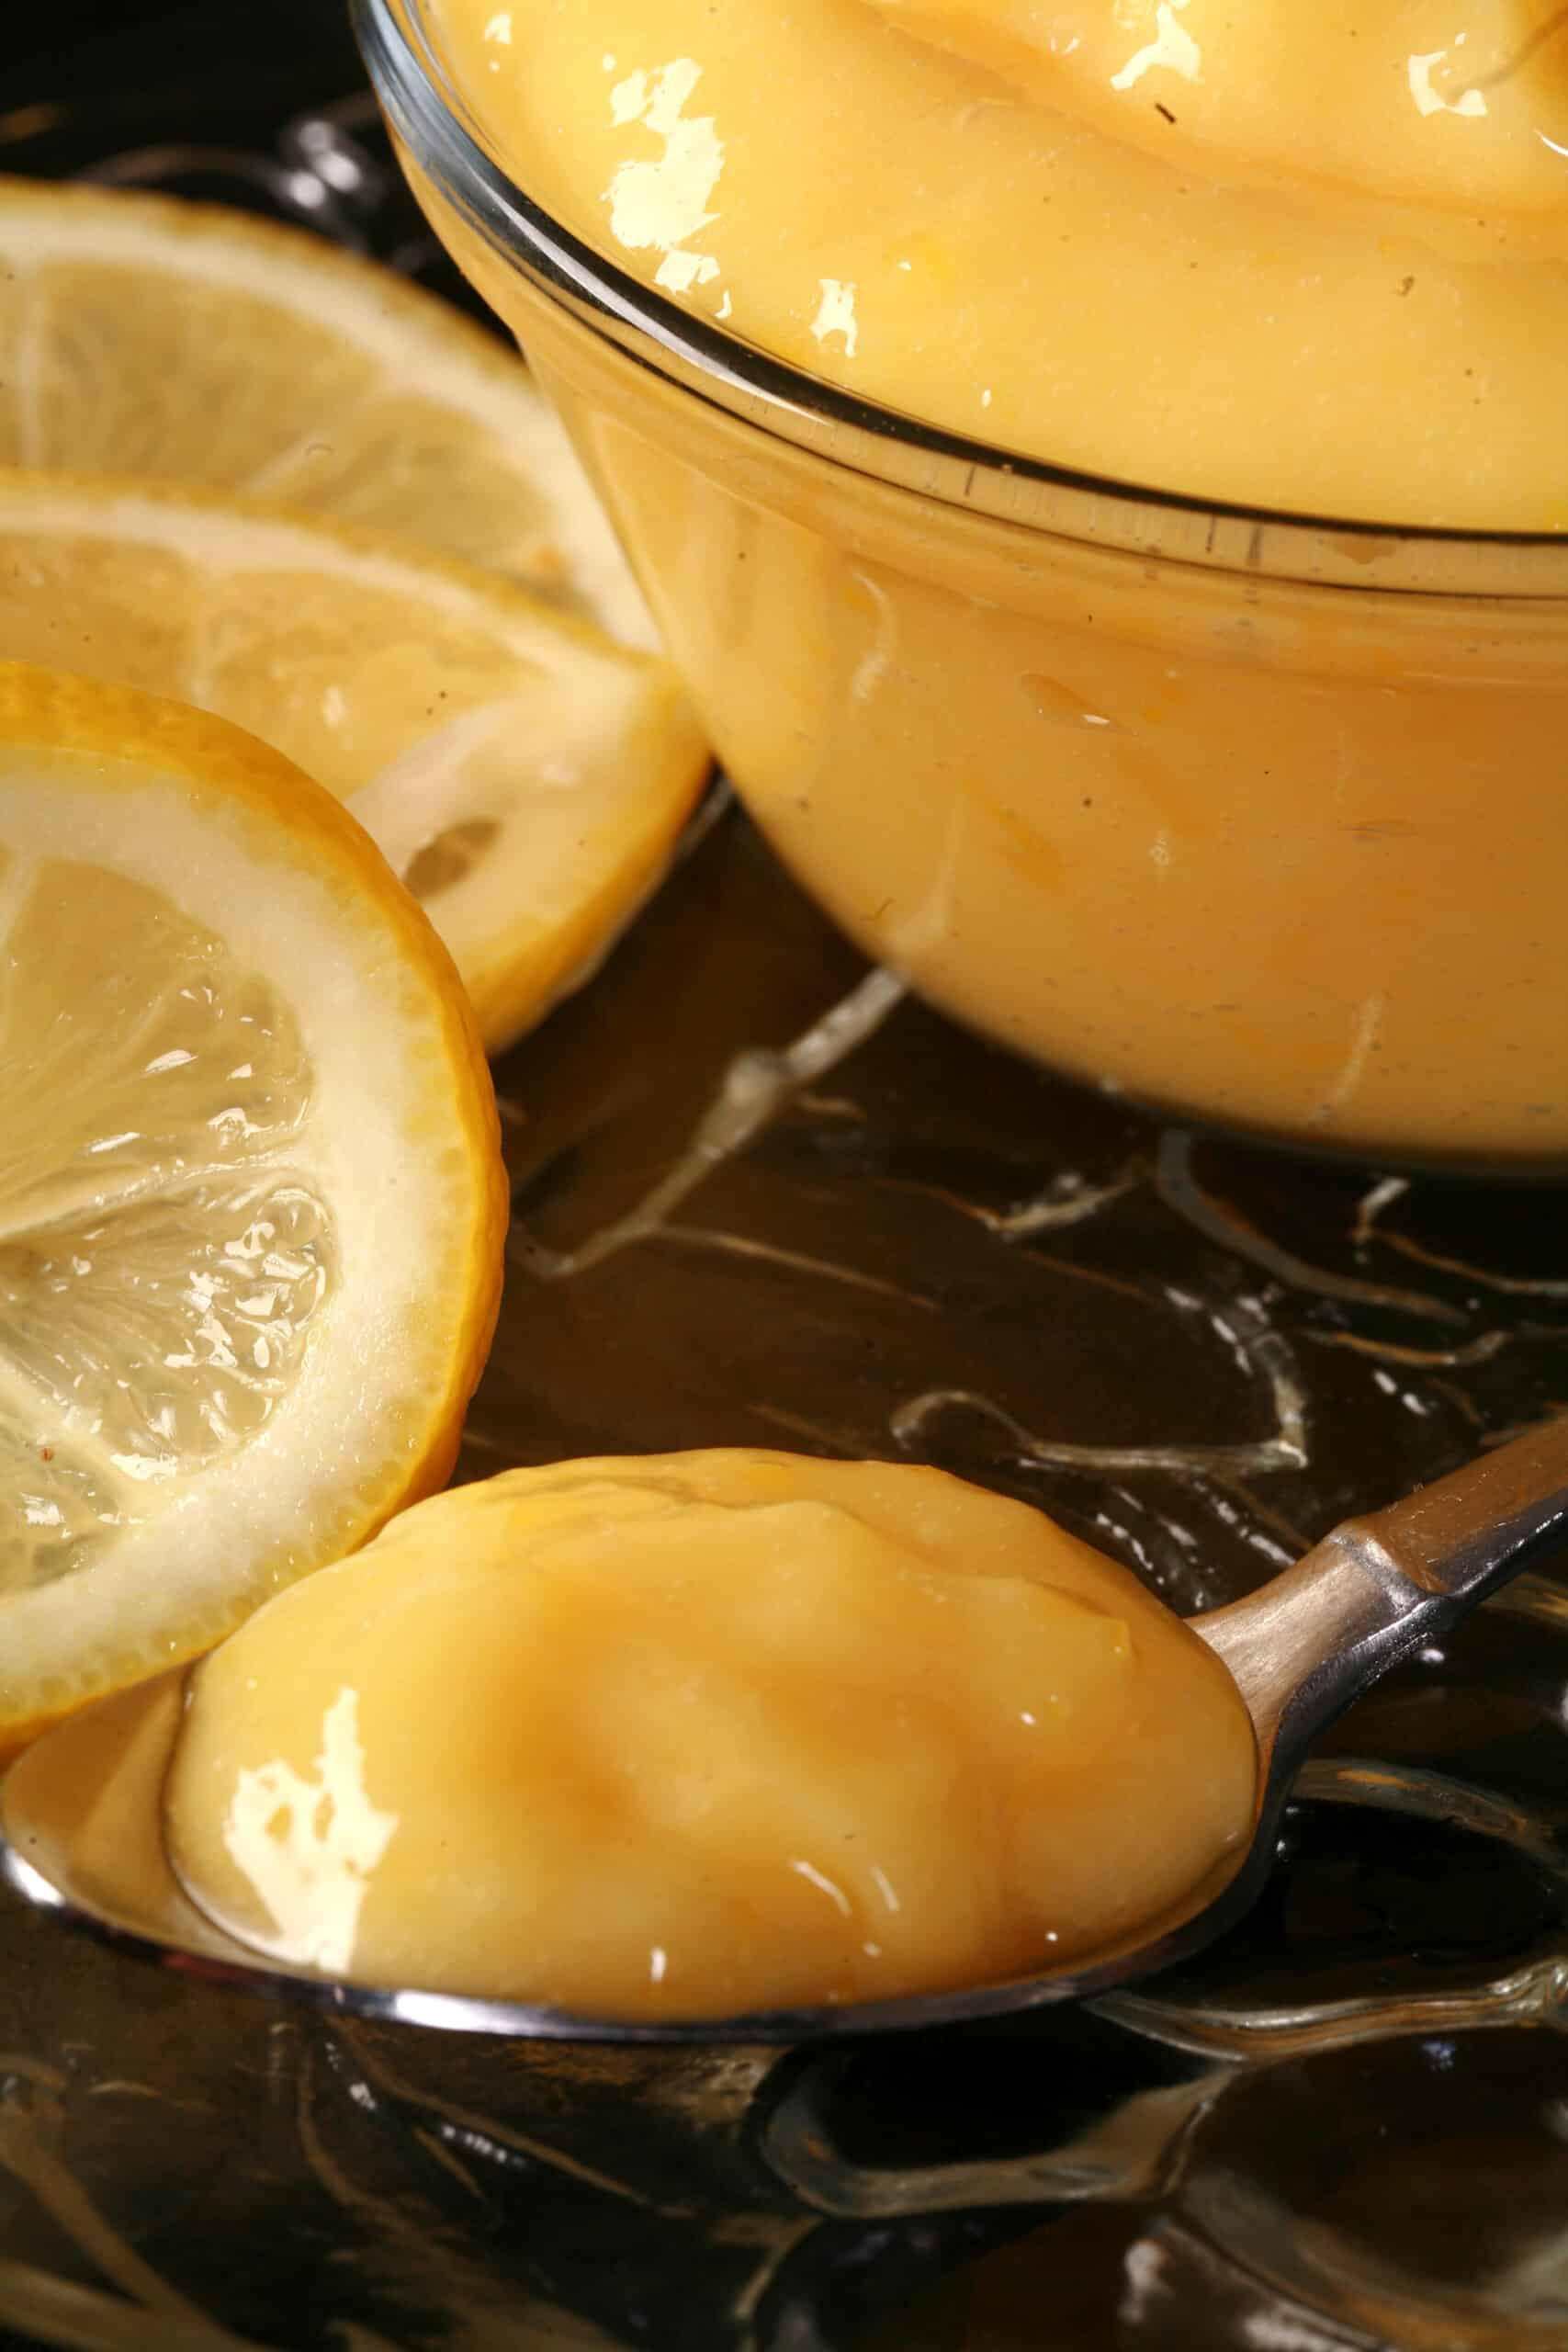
[(1246, 833), (702, 1734), (1309, 256)]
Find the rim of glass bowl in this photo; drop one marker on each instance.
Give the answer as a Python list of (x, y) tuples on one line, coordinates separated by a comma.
[(428, 114)]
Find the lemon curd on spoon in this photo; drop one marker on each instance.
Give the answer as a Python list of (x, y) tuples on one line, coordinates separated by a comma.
[(707, 1734)]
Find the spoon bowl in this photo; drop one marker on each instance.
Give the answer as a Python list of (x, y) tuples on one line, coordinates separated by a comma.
[(81, 1812)]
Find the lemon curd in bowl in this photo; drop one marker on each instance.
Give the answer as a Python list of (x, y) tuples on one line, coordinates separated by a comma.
[(1103, 472)]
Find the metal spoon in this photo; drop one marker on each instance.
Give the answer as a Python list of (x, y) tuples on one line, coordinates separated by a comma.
[(81, 1815)]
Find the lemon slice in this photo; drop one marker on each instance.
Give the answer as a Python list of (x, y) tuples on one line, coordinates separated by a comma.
[(145, 334), (525, 777), (251, 1199)]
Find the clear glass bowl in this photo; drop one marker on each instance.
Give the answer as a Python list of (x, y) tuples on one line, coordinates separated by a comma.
[(1253, 818)]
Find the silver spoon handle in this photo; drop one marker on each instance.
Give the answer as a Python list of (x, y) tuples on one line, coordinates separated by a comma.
[(1457, 1539), (1379, 1584)]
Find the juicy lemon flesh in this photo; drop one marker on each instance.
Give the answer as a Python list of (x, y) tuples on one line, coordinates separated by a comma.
[(250, 1197), (526, 779), (186, 343), (162, 1267)]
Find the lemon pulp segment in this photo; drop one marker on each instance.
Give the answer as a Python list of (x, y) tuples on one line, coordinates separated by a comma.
[(151, 335), (527, 777), (250, 1198)]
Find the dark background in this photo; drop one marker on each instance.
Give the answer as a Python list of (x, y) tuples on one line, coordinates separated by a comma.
[(79, 78), (68, 46), (194, 98)]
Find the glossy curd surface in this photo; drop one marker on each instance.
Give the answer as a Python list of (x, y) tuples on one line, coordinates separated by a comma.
[(1262, 827), (696, 1735), (1310, 257)]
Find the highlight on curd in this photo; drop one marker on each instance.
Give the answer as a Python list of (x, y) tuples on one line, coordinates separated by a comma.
[(707, 1734), (1310, 254)]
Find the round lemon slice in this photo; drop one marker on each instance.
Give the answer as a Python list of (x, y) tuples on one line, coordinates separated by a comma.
[(251, 1198), (525, 778), (146, 334)]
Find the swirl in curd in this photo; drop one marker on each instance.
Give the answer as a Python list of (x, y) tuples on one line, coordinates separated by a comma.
[(1308, 254)]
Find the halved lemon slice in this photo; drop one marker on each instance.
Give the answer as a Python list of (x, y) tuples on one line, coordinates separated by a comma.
[(145, 334), (251, 1198), (526, 778)]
